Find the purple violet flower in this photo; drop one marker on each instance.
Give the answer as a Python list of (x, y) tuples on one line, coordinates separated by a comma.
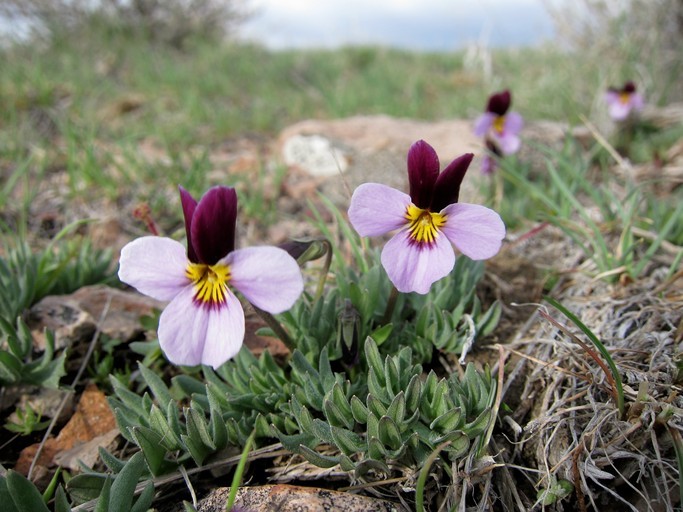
[(204, 320), (499, 126), (429, 220), (622, 102)]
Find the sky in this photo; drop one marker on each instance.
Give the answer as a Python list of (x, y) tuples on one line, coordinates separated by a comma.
[(428, 25)]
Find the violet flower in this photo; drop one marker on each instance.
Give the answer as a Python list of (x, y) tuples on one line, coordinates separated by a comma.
[(428, 220), (204, 320), (622, 102), (499, 126)]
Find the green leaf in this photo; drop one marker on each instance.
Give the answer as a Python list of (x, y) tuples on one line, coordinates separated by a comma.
[(156, 385), (397, 408), (86, 486), (389, 433), (123, 487), (102, 504), (61, 501), (373, 358), (144, 502), (318, 459), (24, 494), (348, 442), (158, 422), (359, 411), (113, 463), (151, 444), (479, 425), (5, 497), (448, 421), (335, 416), (376, 406)]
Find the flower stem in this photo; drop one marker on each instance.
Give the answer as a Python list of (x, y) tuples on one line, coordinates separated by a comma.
[(276, 328), (391, 305)]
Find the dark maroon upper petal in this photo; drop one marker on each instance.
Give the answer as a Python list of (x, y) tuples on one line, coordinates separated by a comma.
[(423, 170), (189, 205), (213, 225), (629, 87), (447, 187), (499, 103)]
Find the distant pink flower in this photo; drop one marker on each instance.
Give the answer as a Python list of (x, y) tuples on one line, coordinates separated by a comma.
[(204, 321), (622, 102), (499, 126), (428, 220)]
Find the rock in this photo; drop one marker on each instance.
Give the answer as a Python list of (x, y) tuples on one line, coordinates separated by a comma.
[(74, 318), (376, 147), (290, 498), (314, 154)]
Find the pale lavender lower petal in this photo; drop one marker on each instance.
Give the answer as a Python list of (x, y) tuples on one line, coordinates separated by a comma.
[(377, 209), (509, 143), (475, 230), (413, 267), (513, 124), (484, 123), (191, 333), (619, 110), (268, 277), (154, 266), (637, 101), (612, 97)]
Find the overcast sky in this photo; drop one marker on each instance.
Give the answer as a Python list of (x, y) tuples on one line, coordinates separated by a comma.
[(413, 24)]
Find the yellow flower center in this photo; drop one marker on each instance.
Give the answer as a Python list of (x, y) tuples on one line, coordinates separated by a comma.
[(624, 97), (210, 281), (499, 123), (423, 225)]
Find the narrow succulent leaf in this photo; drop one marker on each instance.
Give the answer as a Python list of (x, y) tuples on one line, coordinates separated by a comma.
[(479, 425), (373, 358), (391, 376), (198, 450), (124, 421), (376, 406), (318, 459), (335, 416), (348, 442), (151, 444), (131, 400), (156, 385), (327, 378), (189, 385), (24, 494), (397, 408), (376, 450), (113, 463), (313, 394), (358, 409), (381, 334), (339, 399), (197, 428), (346, 463), (102, 504), (293, 442), (389, 433), (61, 501), (159, 423), (87, 486), (144, 501), (218, 430), (413, 393), (321, 430), (448, 421), (376, 388), (123, 486), (262, 427)]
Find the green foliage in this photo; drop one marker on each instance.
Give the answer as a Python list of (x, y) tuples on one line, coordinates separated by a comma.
[(64, 266), (28, 421), (16, 364)]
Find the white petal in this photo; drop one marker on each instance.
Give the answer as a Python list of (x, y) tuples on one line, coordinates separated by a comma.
[(475, 230), (154, 266), (414, 267), (377, 209), (268, 277), (191, 333)]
